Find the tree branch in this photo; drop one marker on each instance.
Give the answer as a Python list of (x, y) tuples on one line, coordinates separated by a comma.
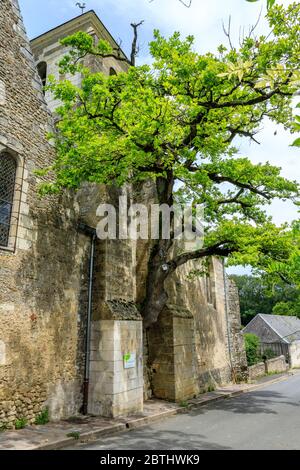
[(238, 131), (227, 32), (187, 3), (235, 199), (226, 179), (218, 249), (252, 101)]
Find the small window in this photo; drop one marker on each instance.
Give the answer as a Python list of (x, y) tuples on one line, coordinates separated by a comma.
[(112, 71), (8, 168), (42, 71)]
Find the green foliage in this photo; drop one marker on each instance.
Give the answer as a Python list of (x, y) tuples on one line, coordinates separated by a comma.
[(268, 354), (259, 294), (43, 417), (252, 349), (184, 404), (20, 423), (275, 372), (288, 307), (276, 291), (176, 121)]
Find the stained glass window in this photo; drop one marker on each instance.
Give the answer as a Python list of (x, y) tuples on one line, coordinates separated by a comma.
[(8, 169)]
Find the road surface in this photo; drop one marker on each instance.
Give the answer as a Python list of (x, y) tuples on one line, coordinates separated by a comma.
[(268, 418)]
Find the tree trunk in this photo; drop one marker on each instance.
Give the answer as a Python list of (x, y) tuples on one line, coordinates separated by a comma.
[(158, 267), (156, 296)]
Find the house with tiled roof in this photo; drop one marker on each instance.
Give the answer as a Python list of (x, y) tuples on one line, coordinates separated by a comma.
[(281, 333)]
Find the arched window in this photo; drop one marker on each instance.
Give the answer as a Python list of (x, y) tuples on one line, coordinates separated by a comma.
[(8, 169), (42, 71), (112, 71)]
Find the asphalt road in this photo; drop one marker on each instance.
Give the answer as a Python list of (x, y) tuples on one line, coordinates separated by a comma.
[(268, 418)]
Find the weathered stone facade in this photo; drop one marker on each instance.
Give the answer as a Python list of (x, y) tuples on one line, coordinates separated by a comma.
[(202, 344), (43, 270), (197, 342), (44, 275), (236, 338)]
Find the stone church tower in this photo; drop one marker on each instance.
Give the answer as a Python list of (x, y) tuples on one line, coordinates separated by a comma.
[(71, 336), (43, 258)]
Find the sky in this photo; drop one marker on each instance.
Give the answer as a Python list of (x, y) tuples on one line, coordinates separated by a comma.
[(204, 21)]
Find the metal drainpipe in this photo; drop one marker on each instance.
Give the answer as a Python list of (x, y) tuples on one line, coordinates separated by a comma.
[(227, 321), (92, 234)]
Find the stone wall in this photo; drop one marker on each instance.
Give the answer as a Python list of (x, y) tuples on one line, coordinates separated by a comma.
[(172, 355), (116, 390), (43, 273), (206, 348), (294, 354), (257, 370), (116, 323), (188, 347), (44, 283), (187, 351), (270, 366), (236, 341), (276, 364)]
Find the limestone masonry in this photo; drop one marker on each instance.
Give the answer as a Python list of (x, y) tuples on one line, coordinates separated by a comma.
[(44, 273)]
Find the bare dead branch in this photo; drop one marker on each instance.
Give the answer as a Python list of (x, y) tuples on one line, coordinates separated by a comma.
[(186, 3), (134, 47), (227, 32)]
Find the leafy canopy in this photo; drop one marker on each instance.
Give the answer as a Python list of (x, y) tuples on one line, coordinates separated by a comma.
[(277, 290), (259, 294), (177, 120)]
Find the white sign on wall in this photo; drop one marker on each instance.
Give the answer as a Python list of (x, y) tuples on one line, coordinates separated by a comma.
[(129, 360)]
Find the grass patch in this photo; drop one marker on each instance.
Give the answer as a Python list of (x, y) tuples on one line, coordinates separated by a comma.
[(273, 373), (43, 417), (74, 435), (20, 423), (183, 404)]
